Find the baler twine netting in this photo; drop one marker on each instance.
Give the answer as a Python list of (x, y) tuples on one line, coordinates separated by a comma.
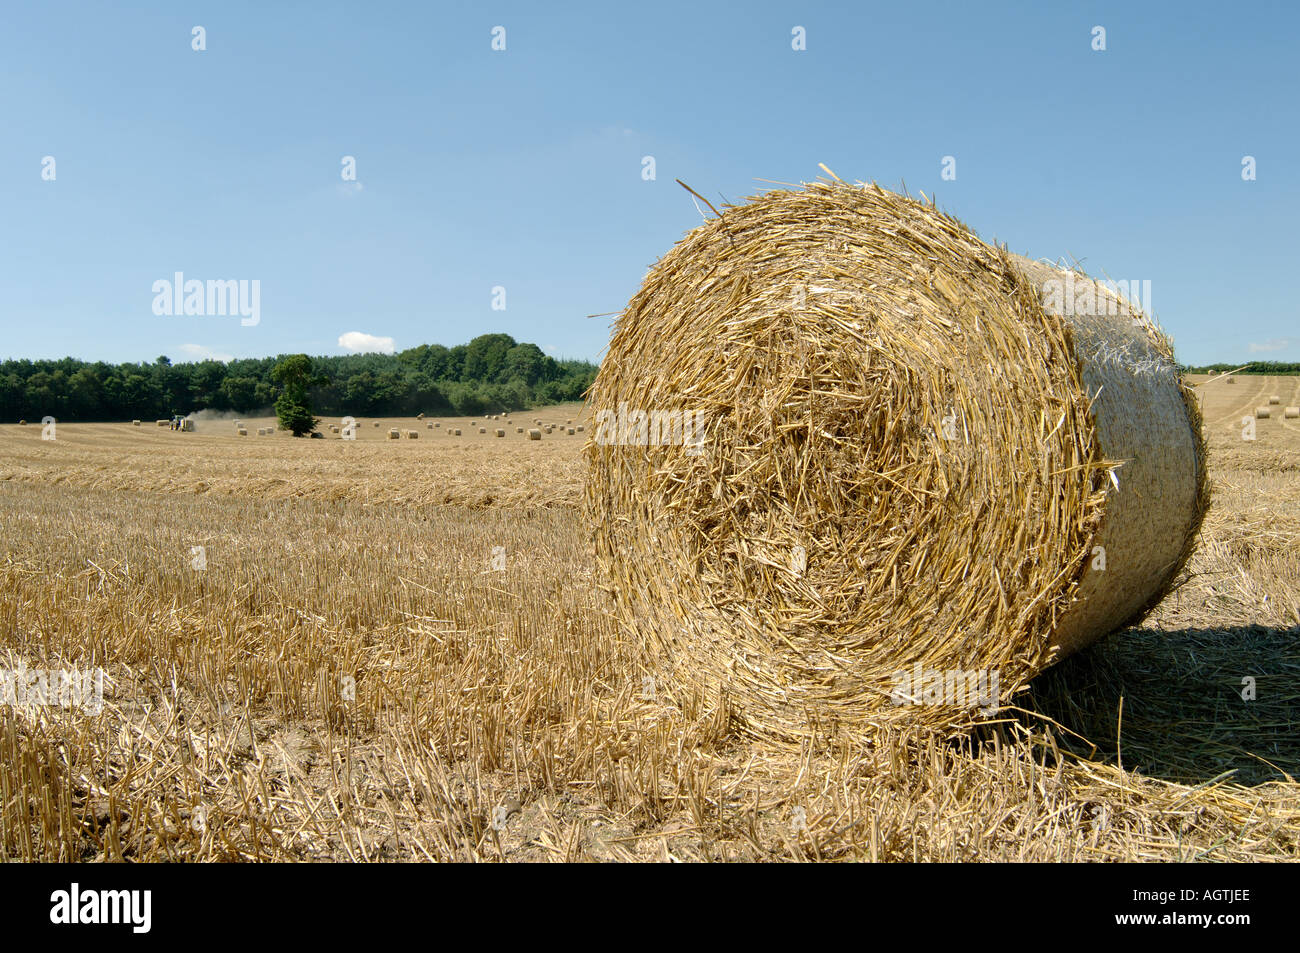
[(915, 452)]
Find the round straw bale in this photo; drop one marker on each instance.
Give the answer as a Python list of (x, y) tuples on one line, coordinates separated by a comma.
[(23, 423), (519, 430), (482, 430), (419, 416), (1231, 380), (580, 428), (1275, 400), (161, 423), (242, 432), (412, 435), (456, 432), (534, 434), (394, 433), (572, 431), (908, 452), (376, 423), (135, 423), (500, 432), (1262, 413), (1291, 412)]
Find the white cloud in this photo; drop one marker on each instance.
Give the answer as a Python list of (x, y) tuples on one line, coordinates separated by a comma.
[(1276, 344), (201, 352), (358, 342)]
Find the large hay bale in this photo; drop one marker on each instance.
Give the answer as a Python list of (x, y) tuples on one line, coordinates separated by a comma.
[(135, 423), (482, 430), (534, 434), (394, 434), (519, 430), (895, 466), (163, 423), (1262, 413), (1291, 412), (412, 435), (242, 432), (456, 432), (500, 432), (1275, 400)]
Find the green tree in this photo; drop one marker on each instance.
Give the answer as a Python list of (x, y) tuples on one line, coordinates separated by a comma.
[(295, 375)]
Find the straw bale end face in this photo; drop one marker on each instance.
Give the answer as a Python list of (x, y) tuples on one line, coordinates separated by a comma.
[(837, 437)]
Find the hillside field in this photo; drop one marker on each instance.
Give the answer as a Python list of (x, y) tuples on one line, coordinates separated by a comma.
[(400, 650)]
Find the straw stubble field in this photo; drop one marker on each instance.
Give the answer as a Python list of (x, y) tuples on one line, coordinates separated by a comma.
[(355, 676)]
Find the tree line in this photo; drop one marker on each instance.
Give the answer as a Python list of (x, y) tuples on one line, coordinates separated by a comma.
[(1271, 368), (491, 373)]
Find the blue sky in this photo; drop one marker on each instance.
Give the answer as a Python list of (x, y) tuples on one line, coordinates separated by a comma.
[(523, 168)]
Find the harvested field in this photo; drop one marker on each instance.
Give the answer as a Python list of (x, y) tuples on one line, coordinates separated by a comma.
[(349, 678)]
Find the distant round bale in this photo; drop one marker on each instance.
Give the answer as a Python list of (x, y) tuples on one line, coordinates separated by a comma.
[(500, 432), (412, 435), (317, 435), (1231, 380), (135, 423), (161, 423), (519, 430), (580, 428), (242, 432), (1262, 413), (376, 423), (534, 434), (1291, 412), (842, 444), (456, 432), (419, 416), (394, 434), (1275, 400), (482, 430)]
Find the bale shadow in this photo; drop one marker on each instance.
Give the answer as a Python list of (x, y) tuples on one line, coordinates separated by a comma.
[(1187, 715)]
